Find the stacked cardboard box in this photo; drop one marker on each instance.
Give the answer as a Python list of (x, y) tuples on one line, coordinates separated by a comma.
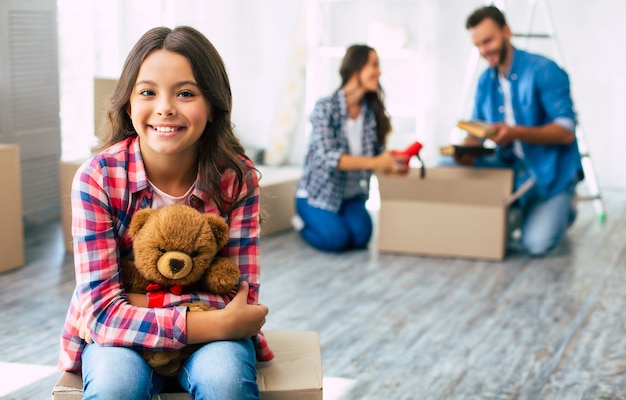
[(11, 228)]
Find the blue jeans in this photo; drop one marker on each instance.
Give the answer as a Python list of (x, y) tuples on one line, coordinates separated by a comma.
[(218, 370), (543, 222), (325, 230)]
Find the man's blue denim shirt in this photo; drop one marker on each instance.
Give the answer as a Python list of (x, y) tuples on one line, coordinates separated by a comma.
[(540, 92)]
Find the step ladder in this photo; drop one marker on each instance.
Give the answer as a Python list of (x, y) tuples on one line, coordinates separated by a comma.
[(592, 192)]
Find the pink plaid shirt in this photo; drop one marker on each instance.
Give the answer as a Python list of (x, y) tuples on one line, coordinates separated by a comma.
[(106, 191)]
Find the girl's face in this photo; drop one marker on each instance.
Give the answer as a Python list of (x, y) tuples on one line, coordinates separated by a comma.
[(370, 73), (167, 108)]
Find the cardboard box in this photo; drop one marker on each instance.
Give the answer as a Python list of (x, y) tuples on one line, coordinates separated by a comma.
[(102, 91), (294, 373), (452, 212), (278, 190), (12, 226)]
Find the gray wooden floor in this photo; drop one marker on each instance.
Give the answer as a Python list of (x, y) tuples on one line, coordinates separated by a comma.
[(404, 327)]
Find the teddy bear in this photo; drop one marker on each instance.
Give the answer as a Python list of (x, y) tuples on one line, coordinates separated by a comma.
[(175, 249)]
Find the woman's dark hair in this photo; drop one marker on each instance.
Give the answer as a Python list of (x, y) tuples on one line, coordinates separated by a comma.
[(487, 12), (219, 149), (353, 61)]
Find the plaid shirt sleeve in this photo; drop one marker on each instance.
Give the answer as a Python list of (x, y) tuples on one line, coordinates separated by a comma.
[(101, 209), (325, 136)]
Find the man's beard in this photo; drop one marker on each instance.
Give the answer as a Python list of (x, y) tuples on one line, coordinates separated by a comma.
[(504, 51)]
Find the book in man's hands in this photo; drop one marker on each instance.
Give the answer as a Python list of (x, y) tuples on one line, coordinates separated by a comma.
[(457, 150), (477, 128)]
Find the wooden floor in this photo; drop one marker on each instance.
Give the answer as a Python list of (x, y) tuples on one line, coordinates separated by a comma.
[(403, 327)]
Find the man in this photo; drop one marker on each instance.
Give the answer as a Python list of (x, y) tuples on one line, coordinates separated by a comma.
[(526, 98)]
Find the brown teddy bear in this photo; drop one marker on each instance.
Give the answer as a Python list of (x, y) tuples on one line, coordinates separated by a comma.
[(174, 249)]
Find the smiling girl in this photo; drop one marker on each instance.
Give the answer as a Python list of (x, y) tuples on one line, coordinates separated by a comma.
[(171, 141)]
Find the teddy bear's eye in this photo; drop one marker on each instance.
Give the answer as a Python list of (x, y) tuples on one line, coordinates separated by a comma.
[(162, 250), (194, 253)]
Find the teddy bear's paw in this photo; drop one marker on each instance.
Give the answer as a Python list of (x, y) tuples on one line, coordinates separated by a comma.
[(222, 286), (223, 276), (160, 358), (166, 363), (170, 369), (198, 306)]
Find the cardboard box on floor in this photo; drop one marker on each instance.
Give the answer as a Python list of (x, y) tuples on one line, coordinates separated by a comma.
[(451, 212), (294, 373), (11, 227)]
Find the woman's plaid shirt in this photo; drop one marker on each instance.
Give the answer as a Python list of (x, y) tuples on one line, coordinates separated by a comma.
[(321, 180)]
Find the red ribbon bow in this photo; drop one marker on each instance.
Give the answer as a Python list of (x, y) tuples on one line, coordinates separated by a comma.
[(156, 293)]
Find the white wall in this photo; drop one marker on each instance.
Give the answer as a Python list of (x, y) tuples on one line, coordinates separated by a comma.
[(256, 39), (253, 37)]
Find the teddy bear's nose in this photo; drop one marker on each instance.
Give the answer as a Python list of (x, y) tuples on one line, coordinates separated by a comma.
[(176, 265)]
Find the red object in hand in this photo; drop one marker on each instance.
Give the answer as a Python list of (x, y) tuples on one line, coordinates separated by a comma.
[(412, 150)]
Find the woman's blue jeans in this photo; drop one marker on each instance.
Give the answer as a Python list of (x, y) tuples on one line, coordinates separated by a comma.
[(349, 228), (218, 370)]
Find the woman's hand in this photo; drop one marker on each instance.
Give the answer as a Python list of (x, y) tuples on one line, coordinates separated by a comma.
[(389, 163)]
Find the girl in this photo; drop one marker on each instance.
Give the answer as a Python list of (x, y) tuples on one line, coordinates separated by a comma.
[(350, 128), (171, 142)]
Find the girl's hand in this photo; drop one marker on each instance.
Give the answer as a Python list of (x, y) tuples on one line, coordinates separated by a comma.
[(83, 333), (243, 320), (138, 300)]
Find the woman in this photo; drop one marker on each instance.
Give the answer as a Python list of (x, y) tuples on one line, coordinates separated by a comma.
[(350, 128)]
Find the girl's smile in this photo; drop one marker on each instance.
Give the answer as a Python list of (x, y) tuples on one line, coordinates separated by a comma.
[(167, 108), (166, 131)]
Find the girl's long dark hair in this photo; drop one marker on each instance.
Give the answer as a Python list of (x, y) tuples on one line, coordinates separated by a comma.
[(353, 61), (219, 148)]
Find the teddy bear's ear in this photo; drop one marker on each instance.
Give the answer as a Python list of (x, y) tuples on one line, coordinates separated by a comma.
[(219, 228), (138, 220)]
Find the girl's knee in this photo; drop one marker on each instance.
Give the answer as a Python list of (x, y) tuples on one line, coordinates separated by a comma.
[(227, 384), (116, 391), (115, 373), (112, 385), (222, 370)]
